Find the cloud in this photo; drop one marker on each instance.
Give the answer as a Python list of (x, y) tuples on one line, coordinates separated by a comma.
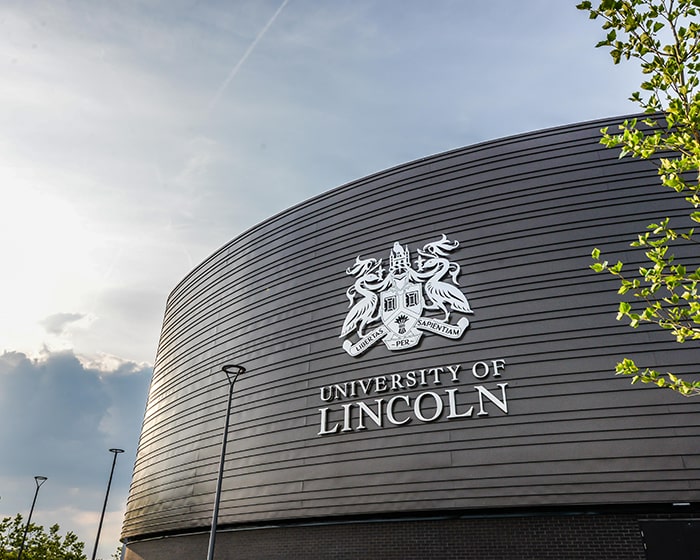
[(57, 323), (55, 407), (58, 418)]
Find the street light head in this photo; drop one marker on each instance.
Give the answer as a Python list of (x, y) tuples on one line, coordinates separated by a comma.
[(232, 371), (114, 450), (40, 480)]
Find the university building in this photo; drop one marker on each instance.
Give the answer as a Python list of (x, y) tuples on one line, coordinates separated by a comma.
[(429, 373)]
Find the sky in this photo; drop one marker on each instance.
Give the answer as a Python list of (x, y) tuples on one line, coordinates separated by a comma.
[(138, 137)]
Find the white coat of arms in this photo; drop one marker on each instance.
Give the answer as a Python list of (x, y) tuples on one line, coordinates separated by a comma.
[(399, 298)]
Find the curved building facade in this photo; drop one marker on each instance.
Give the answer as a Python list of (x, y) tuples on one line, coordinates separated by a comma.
[(429, 373)]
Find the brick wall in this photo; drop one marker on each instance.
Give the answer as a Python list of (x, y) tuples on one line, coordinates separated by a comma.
[(531, 537)]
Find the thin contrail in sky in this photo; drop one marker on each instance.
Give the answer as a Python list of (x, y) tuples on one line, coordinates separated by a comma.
[(246, 54)]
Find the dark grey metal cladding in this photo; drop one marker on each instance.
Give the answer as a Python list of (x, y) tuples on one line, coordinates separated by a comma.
[(526, 210)]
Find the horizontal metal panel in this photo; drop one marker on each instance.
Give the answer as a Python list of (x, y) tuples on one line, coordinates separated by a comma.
[(555, 427)]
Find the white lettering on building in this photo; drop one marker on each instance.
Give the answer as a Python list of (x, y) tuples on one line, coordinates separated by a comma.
[(375, 406)]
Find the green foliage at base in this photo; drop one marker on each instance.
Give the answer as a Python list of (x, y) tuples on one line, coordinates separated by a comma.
[(39, 544)]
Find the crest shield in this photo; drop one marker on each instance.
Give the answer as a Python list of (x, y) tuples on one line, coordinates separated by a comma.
[(401, 308)]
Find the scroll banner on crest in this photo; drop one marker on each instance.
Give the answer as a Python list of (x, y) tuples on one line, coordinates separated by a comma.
[(433, 325), (442, 328), (365, 342)]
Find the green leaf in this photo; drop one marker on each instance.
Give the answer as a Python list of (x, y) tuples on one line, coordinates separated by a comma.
[(623, 309)]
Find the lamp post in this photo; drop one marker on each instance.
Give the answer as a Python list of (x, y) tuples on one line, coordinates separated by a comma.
[(232, 372), (38, 480), (104, 506)]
